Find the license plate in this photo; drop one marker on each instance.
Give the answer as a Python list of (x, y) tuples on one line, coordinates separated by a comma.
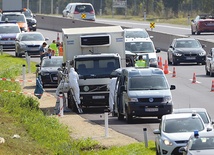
[(151, 109), (55, 78), (190, 58), (98, 97), (33, 49)]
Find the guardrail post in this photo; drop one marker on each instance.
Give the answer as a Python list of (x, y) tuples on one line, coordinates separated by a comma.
[(61, 106), (145, 137), (27, 57), (1, 49), (23, 75)]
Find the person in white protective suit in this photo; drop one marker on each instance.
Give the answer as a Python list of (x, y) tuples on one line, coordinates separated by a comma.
[(73, 83), (111, 87)]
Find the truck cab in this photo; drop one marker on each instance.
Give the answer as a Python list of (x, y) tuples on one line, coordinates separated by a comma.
[(142, 92)]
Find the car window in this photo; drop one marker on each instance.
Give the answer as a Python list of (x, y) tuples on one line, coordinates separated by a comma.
[(13, 17), (142, 47), (136, 34), (148, 83), (187, 44), (183, 125), (9, 29), (32, 37), (83, 8), (204, 117), (52, 62)]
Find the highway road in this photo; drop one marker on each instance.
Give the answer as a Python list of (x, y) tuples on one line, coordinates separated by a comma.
[(186, 93)]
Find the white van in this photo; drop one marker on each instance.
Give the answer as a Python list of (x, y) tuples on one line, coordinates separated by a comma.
[(141, 46), (81, 11)]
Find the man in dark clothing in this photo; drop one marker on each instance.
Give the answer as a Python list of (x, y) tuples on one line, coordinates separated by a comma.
[(42, 50)]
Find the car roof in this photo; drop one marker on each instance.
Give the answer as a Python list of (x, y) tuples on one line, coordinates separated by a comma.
[(31, 33), (132, 71), (179, 115), (138, 40), (180, 110), (185, 39), (53, 57), (135, 29), (8, 24)]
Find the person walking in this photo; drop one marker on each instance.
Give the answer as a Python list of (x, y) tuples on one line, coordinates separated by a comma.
[(73, 83), (111, 87), (140, 62)]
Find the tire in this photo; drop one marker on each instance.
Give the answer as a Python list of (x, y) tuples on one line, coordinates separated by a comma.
[(120, 116), (207, 72), (129, 117)]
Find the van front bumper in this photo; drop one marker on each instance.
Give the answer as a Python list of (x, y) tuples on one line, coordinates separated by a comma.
[(149, 110)]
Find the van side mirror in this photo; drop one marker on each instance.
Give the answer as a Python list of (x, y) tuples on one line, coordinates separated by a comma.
[(172, 87), (158, 50)]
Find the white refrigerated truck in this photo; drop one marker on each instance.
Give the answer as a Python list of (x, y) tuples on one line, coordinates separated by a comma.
[(8, 5), (94, 52)]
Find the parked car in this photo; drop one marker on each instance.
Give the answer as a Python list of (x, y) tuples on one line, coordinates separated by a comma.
[(140, 46), (49, 70), (202, 23), (200, 144), (15, 16), (201, 111), (29, 42), (81, 11), (31, 20), (174, 132), (136, 33), (142, 92), (8, 32), (186, 50), (209, 66)]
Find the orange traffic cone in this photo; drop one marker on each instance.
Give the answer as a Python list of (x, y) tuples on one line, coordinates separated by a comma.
[(166, 69), (194, 78), (160, 65), (57, 40), (173, 73), (212, 88)]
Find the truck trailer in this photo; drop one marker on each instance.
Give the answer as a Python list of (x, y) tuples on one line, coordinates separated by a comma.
[(94, 52)]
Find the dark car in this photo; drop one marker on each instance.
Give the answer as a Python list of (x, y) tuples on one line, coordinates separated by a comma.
[(49, 70), (202, 23), (31, 21), (186, 50)]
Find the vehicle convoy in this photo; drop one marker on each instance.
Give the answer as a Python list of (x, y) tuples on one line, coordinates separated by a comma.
[(94, 52), (142, 92), (174, 132)]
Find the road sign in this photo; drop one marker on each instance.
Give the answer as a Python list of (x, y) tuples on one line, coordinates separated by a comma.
[(152, 25), (83, 16)]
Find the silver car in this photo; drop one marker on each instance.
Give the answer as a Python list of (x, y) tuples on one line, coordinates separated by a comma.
[(29, 42), (174, 132), (81, 11), (209, 66)]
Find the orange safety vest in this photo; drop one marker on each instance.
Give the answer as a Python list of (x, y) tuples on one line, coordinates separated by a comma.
[(60, 51)]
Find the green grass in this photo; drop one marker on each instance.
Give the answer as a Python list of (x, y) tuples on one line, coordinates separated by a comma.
[(40, 133)]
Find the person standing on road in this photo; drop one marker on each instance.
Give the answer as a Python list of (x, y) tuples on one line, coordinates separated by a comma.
[(54, 47), (111, 87), (42, 51), (140, 62), (73, 83)]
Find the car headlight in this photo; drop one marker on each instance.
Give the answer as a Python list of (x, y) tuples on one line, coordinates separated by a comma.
[(202, 54), (167, 99), (133, 100), (177, 54), (44, 73), (167, 142)]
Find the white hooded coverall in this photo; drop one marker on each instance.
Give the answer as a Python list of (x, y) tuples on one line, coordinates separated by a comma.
[(111, 87), (73, 83)]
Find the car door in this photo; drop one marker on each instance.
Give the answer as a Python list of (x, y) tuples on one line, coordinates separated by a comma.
[(209, 59)]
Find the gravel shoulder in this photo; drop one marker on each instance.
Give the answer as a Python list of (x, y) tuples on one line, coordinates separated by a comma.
[(79, 127)]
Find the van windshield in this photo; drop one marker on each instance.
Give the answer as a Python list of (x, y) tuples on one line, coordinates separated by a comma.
[(96, 67), (139, 47), (154, 82)]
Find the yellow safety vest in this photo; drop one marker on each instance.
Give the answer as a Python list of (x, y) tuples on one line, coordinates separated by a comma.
[(54, 47), (140, 63)]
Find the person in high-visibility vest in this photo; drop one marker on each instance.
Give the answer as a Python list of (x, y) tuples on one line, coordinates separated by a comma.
[(53, 46), (140, 62)]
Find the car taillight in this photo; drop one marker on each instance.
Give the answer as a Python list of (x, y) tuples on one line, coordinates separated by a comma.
[(76, 12), (92, 12)]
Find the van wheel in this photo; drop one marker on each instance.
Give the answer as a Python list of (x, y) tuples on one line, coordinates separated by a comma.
[(129, 117), (120, 116)]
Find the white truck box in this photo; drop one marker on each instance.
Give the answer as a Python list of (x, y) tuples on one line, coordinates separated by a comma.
[(96, 52), (8, 5)]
